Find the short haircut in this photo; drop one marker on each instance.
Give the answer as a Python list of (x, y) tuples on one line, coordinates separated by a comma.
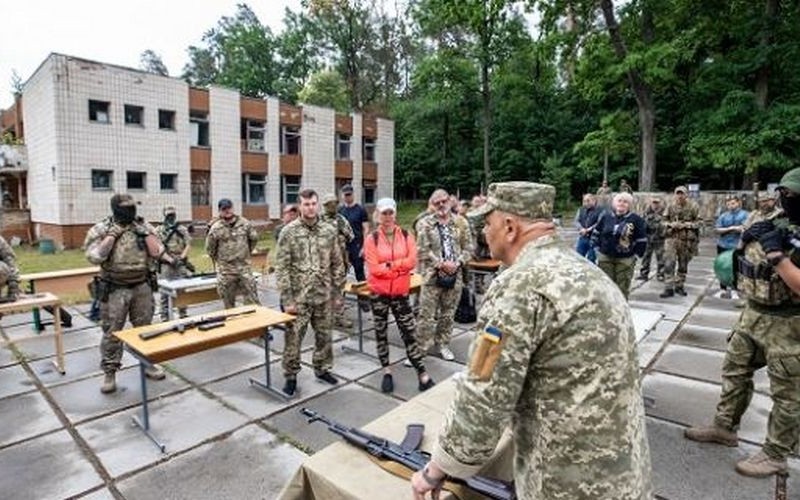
[(589, 196), (307, 194), (438, 193), (624, 196)]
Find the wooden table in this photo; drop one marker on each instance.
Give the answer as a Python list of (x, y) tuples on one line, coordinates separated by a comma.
[(27, 303), (360, 290), (486, 267), (193, 340), (57, 283), (183, 292)]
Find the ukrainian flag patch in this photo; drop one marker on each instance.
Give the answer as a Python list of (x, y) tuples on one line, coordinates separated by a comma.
[(492, 334)]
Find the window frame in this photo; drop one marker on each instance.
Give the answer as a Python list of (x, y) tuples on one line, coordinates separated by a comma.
[(343, 140), (168, 175), (293, 195), (251, 181), (294, 133), (368, 194), (369, 144), (95, 173), (130, 112), (128, 178), (96, 107), (200, 120), (171, 114)]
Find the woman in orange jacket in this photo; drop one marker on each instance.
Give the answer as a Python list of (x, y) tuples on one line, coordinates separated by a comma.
[(390, 253)]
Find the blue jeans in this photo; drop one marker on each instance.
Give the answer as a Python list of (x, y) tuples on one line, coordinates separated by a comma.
[(585, 248)]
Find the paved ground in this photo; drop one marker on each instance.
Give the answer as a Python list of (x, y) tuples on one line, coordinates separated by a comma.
[(61, 438)]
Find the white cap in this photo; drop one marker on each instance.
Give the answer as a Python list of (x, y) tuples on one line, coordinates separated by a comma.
[(386, 204)]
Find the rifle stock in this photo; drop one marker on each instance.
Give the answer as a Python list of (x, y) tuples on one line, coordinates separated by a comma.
[(202, 323), (412, 459)]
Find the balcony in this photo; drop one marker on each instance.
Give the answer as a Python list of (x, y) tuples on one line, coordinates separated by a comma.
[(13, 158)]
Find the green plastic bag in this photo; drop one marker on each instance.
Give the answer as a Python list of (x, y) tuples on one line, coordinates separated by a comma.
[(724, 268)]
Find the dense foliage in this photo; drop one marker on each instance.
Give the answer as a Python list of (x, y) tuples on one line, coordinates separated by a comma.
[(657, 92)]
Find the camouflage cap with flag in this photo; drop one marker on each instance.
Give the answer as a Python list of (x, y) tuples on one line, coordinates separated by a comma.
[(791, 180), (525, 199)]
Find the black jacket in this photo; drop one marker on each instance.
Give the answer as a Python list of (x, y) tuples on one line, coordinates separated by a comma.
[(620, 236)]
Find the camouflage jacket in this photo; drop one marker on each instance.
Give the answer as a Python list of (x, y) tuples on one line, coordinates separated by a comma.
[(344, 231), (10, 259), (230, 245), (128, 262), (555, 360), (429, 244), (175, 239), (682, 222), (655, 228), (758, 216), (308, 264)]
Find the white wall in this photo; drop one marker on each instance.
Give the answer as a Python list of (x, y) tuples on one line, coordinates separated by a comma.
[(358, 157), (384, 155), (317, 143), (226, 151), (274, 160)]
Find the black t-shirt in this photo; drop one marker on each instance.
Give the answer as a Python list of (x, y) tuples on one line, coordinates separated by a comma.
[(356, 216)]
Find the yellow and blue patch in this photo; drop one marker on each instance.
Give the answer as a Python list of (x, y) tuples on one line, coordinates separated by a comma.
[(492, 334)]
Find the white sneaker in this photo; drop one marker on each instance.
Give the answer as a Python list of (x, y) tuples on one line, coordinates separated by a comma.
[(735, 295), (447, 354), (408, 363)]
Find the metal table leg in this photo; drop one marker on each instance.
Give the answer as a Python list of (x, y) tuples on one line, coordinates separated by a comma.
[(144, 423), (266, 385), (360, 349)]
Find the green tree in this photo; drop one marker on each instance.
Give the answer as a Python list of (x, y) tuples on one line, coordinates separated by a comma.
[(326, 88), (151, 62)]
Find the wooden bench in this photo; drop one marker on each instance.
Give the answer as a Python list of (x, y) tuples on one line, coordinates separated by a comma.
[(31, 303), (58, 283)]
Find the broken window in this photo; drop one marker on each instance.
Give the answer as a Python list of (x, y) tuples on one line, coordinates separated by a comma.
[(290, 140), (134, 115), (101, 179), (166, 119), (98, 111), (369, 194), (136, 180), (253, 133), (290, 189), (199, 128), (369, 149), (254, 189), (201, 180), (169, 182), (342, 147)]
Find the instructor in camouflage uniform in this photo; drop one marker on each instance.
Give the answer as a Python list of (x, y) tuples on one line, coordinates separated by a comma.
[(554, 360), (125, 247), (175, 238), (681, 221), (309, 269), (9, 272), (444, 246), (653, 215), (765, 335), (230, 241), (344, 235)]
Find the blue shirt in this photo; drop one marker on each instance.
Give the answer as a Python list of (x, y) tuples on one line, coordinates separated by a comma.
[(356, 216), (729, 219)]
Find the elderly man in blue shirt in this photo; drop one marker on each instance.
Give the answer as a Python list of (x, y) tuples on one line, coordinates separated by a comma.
[(729, 227)]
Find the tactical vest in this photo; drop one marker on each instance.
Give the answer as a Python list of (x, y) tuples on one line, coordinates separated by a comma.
[(759, 281), (128, 262)]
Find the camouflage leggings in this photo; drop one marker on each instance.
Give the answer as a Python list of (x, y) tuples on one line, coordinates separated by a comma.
[(320, 317), (401, 308), (760, 340), (136, 302), (229, 286)]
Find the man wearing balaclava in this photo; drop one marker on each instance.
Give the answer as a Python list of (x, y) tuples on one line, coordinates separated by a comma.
[(124, 247), (767, 334), (176, 239)]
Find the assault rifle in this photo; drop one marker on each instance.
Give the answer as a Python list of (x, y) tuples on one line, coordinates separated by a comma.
[(201, 323), (409, 454)]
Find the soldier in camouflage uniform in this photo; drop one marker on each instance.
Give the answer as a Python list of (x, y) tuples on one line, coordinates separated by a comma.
[(655, 240), (765, 335), (444, 246), (9, 273), (555, 360), (230, 242), (766, 209), (681, 221), (308, 267), (175, 238), (125, 247), (344, 235)]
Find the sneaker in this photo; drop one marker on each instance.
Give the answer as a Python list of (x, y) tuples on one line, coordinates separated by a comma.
[(408, 363), (447, 354), (735, 295), (290, 387), (761, 465), (327, 378), (424, 386), (344, 322), (155, 372), (680, 291), (109, 384), (387, 384), (668, 292), (660, 277), (712, 434)]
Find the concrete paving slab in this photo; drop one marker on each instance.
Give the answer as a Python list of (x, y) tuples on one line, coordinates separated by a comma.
[(250, 463), (7, 356), (51, 466), (702, 364), (352, 405), (15, 380), (100, 494), (82, 399), (674, 308), (10, 320), (180, 421), (703, 336), (710, 301), (714, 318), (353, 365), (78, 364), (691, 402), (644, 321), (26, 415), (41, 347), (237, 391), (277, 343), (686, 470), (406, 382), (460, 346), (652, 343), (219, 362)]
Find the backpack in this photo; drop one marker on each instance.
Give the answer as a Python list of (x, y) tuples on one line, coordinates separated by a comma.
[(759, 281), (466, 311), (375, 235)]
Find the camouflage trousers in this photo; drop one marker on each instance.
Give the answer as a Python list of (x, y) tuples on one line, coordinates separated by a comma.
[(620, 270), (229, 286), (135, 302), (654, 247), (404, 315), (437, 309), (5, 272), (320, 316), (760, 340), (676, 253), (170, 273)]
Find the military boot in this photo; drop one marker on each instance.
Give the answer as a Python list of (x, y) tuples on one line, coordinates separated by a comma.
[(680, 291), (109, 384), (761, 465), (712, 434), (642, 277), (668, 292)]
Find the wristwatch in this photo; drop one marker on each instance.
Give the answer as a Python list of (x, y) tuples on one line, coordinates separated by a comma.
[(776, 259)]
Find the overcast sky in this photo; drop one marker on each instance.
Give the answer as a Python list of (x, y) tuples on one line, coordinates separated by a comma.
[(112, 31)]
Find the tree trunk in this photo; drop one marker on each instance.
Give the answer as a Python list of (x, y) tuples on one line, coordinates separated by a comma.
[(487, 121), (644, 101)]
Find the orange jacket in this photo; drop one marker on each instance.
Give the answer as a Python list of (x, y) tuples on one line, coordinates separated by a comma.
[(390, 264)]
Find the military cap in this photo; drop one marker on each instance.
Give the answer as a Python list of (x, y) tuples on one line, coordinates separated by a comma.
[(791, 180), (347, 188), (329, 198), (767, 195), (225, 203), (681, 189), (525, 199), (169, 209)]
